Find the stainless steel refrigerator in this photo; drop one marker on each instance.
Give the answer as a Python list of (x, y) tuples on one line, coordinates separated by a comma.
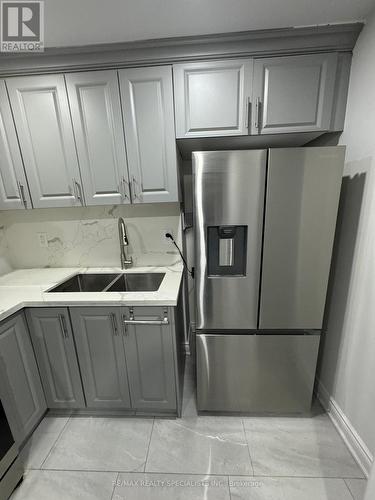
[(264, 229)]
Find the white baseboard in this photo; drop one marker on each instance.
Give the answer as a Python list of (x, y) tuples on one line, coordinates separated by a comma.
[(353, 441)]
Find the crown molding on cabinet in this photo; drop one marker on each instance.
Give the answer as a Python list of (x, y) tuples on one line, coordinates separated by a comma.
[(259, 43)]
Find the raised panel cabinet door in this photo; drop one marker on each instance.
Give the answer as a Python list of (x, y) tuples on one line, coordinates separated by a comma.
[(14, 192), (94, 99), (293, 94), (212, 98), (147, 106), (53, 341), (20, 377), (98, 335), (149, 353), (42, 118)]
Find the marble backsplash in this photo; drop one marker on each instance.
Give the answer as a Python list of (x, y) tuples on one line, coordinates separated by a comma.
[(88, 236)]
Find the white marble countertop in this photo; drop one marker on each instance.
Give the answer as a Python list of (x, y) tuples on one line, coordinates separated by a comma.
[(28, 288)]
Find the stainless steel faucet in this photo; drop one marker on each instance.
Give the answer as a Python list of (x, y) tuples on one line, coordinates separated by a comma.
[(124, 242)]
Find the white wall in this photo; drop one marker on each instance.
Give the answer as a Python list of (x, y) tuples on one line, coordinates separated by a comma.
[(348, 363), (125, 20), (88, 236)]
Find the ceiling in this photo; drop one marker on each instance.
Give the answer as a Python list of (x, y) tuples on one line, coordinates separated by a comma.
[(82, 22)]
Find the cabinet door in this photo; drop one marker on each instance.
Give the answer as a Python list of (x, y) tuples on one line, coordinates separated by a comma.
[(20, 378), (98, 335), (14, 192), (42, 118), (147, 104), (293, 94), (212, 98), (53, 341), (150, 359), (94, 99), (303, 189)]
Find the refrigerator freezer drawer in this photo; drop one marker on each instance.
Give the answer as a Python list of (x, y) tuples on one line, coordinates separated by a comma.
[(256, 373)]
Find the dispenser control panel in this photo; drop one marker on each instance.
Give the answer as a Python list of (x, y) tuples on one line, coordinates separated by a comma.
[(227, 250)]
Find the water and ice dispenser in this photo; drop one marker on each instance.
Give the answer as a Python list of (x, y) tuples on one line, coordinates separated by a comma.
[(227, 250)]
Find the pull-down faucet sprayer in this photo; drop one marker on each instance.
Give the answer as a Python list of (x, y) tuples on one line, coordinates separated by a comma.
[(124, 242)]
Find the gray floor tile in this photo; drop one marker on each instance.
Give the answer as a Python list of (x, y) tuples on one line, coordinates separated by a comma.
[(357, 488), (298, 447), (171, 487), (287, 488), (41, 442), (52, 424), (66, 485), (102, 444), (204, 445)]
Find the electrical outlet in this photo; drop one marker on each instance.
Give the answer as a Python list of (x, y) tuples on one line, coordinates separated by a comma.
[(166, 241), (43, 240)]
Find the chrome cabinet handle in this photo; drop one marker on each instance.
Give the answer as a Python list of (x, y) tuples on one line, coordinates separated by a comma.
[(125, 330), (132, 321), (258, 105), (63, 326), (247, 113), (21, 191), (164, 321), (134, 182), (114, 324), (135, 193), (78, 191), (125, 188)]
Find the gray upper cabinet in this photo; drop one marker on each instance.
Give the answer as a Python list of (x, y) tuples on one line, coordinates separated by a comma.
[(42, 118), (94, 99), (212, 98), (147, 103), (293, 94), (21, 388), (14, 193), (53, 341), (149, 352), (98, 336), (303, 189)]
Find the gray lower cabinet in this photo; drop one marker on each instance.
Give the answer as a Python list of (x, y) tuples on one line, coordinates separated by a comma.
[(21, 389), (98, 335), (149, 349), (95, 357), (54, 347)]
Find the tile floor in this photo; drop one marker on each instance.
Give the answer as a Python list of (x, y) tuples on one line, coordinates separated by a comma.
[(210, 458)]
